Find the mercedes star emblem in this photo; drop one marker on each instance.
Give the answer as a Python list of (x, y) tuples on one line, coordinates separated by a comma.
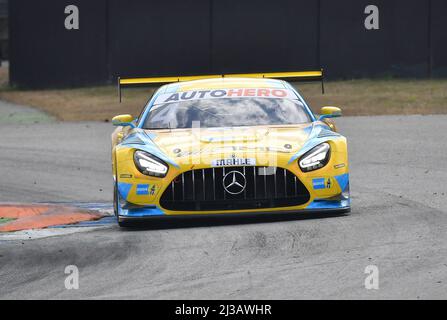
[(234, 182)]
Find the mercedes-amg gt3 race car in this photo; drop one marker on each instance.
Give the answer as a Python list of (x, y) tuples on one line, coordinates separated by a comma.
[(228, 145)]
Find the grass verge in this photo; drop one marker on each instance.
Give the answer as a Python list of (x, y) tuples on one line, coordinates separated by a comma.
[(355, 97), (4, 220)]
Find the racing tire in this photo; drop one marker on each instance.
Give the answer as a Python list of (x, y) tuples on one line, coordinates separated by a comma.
[(115, 201), (122, 224)]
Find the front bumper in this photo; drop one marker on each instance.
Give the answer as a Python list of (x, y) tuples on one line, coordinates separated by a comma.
[(338, 204), (317, 206)]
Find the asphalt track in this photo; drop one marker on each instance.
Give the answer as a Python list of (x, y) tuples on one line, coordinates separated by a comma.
[(398, 223)]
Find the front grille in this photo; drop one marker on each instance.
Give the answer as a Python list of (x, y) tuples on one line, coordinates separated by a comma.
[(203, 190)]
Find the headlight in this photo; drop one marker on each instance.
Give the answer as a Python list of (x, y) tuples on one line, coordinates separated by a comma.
[(316, 158), (150, 165)]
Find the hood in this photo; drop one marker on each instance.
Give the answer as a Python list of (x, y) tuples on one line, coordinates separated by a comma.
[(180, 143)]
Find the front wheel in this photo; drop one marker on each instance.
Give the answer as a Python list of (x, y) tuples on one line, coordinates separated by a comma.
[(115, 207), (115, 201), (122, 224)]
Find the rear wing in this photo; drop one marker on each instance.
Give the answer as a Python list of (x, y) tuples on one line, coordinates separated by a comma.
[(303, 76)]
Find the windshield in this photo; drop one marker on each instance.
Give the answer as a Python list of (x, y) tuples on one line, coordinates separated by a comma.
[(228, 112)]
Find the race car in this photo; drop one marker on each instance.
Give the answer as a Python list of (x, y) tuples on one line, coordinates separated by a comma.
[(227, 145)]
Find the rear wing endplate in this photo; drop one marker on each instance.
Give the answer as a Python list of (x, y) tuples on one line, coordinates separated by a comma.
[(303, 76)]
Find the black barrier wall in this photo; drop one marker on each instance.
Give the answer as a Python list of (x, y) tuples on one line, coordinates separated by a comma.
[(159, 38), (400, 47), (438, 38), (348, 38), (257, 36), (45, 54)]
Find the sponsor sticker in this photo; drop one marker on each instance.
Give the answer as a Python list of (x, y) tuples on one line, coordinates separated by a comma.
[(322, 183), (233, 162), (142, 189), (318, 183), (225, 93)]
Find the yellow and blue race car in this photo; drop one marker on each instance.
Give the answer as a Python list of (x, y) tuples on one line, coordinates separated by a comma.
[(227, 145)]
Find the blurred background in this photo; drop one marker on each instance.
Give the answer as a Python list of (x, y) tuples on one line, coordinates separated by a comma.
[(3, 30), (396, 67)]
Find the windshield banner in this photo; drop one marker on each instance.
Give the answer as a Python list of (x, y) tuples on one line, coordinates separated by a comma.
[(225, 93)]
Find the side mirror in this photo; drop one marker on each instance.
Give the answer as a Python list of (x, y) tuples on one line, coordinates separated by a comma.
[(123, 120), (329, 112)]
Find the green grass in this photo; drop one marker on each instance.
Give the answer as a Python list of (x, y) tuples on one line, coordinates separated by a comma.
[(355, 97), (4, 220), (380, 97)]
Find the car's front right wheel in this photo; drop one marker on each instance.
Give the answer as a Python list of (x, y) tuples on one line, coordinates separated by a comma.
[(122, 224)]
